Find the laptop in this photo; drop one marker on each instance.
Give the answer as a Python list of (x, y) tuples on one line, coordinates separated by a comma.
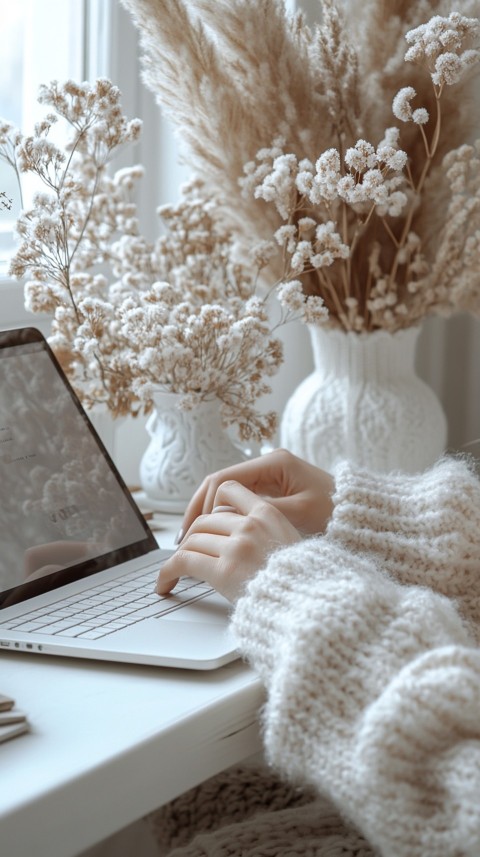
[(78, 562)]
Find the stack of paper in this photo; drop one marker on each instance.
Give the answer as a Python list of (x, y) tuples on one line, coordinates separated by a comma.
[(12, 721)]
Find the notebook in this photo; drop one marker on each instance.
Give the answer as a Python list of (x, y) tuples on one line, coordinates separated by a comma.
[(78, 562)]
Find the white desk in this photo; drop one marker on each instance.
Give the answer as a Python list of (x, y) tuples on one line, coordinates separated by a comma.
[(110, 743)]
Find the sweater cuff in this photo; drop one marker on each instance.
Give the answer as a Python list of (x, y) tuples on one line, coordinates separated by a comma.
[(263, 615), (423, 521)]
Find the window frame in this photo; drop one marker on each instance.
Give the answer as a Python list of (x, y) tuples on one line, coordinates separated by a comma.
[(111, 49)]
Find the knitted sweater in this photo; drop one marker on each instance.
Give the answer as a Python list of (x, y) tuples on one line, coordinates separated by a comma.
[(366, 639)]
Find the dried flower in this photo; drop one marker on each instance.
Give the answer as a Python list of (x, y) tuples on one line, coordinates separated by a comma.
[(293, 123), (441, 45), (341, 196), (179, 314)]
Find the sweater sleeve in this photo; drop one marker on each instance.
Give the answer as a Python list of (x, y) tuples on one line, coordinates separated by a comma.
[(373, 694), (421, 529)]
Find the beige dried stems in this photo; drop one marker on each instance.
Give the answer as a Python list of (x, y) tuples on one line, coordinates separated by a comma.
[(359, 164), (130, 316)]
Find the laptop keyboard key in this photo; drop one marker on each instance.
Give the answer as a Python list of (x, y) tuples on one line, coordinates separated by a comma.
[(31, 626), (74, 631), (90, 635), (108, 607)]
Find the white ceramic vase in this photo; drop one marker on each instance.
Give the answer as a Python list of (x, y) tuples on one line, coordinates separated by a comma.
[(185, 446), (364, 402)]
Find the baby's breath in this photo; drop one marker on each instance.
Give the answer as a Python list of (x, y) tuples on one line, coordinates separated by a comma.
[(353, 210), (178, 314)]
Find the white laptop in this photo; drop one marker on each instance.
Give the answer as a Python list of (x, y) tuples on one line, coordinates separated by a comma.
[(78, 563)]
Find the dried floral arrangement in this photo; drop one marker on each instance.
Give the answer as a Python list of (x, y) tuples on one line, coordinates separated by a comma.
[(349, 146), (130, 316)]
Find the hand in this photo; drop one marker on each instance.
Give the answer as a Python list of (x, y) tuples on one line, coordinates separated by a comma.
[(302, 492), (226, 548)]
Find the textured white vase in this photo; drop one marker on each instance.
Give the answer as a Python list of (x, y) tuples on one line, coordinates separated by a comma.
[(364, 402), (185, 446)]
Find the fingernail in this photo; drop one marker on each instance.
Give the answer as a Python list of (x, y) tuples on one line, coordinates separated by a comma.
[(178, 537)]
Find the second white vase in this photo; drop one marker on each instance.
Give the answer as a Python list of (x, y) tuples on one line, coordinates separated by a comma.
[(364, 402), (185, 446)]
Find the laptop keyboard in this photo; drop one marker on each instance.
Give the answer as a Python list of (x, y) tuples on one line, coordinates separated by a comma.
[(109, 607)]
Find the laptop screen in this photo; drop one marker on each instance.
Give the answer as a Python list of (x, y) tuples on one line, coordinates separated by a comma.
[(64, 509)]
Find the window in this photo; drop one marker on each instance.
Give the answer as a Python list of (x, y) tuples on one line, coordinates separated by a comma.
[(41, 40), (80, 39)]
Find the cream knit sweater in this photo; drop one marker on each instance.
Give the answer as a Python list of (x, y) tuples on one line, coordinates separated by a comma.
[(367, 640)]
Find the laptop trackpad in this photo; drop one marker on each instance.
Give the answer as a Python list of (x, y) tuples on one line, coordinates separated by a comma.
[(212, 609)]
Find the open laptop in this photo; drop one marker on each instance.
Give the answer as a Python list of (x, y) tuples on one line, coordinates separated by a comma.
[(78, 563)]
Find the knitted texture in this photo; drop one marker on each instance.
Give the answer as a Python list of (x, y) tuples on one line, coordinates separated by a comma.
[(367, 642), (252, 813), (364, 402), (374, 685), (423, 531), (248, 811), (312, 831), (232, 796)]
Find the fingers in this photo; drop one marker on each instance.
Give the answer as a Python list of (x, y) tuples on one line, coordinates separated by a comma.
[(237, 496), (224, 509), (296, 509), (227, 548), (185, 563), (266, 503), (205, 538), (259, 474)]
